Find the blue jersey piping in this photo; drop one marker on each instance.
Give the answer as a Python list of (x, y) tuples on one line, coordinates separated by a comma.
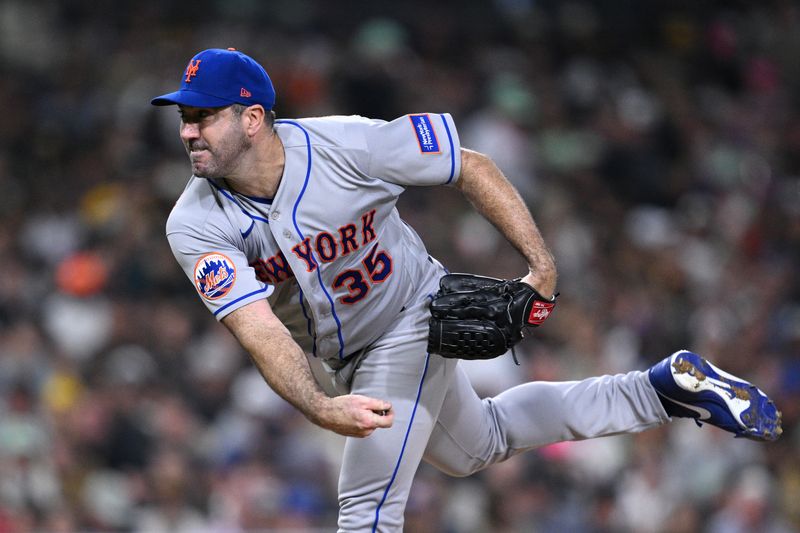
[(452, 154), (300, 233), (240, 298), (403, 449)]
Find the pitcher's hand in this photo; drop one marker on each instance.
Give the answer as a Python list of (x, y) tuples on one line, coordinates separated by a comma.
[(354, 415)]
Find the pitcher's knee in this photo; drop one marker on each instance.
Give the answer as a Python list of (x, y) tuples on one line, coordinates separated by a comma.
[(459, 465), (457, 469)]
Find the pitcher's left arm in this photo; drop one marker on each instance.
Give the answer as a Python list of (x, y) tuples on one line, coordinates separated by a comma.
[(494, 197)]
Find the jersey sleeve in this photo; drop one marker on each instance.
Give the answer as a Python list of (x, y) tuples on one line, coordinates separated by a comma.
[(219, 272), (416, 149)]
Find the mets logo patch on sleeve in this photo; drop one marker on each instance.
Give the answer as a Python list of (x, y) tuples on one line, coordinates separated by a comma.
[(426, 135), (214, 275)]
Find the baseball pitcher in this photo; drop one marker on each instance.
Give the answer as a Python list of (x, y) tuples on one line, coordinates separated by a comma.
[(289, 233)]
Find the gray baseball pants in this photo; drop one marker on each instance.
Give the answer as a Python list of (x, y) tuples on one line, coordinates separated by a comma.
[(440, 419)]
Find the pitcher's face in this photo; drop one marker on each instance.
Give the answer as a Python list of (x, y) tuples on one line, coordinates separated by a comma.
[(214, 138)]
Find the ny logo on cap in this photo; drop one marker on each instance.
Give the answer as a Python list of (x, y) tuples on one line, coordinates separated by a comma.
[(191, 69)]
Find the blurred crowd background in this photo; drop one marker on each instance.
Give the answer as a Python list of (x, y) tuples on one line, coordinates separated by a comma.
[(657, 144)]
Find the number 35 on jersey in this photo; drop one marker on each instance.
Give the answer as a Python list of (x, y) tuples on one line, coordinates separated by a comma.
[(326, 247)]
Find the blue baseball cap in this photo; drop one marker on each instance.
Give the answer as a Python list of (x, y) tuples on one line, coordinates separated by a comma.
[(219, 78)]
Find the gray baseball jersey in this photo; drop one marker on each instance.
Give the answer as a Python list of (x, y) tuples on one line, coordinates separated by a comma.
[(347, 276), (330, 251)]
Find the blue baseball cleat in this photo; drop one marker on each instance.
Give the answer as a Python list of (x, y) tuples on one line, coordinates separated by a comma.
[(690, 386)]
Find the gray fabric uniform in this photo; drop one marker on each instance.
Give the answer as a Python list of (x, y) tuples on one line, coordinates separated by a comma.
[(351, 281)]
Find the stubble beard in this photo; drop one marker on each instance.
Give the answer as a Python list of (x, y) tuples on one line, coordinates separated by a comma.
[(220, 162)]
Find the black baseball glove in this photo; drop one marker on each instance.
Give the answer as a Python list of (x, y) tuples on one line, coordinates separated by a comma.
[(477, 317)]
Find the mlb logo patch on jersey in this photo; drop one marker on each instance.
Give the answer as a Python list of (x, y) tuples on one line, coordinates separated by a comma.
[(426, 135), (214, 275)]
